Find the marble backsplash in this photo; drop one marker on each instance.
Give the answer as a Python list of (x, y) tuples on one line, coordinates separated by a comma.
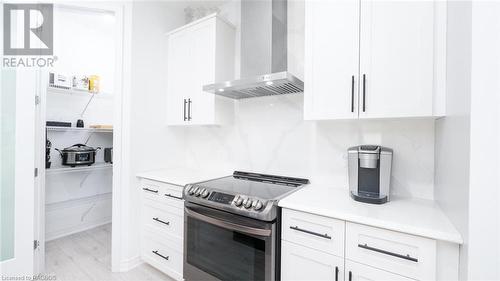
[(269, 135)]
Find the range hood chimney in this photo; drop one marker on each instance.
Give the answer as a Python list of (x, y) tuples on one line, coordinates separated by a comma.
[(263, 54)]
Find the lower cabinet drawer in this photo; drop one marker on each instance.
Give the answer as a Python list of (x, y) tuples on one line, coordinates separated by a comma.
[(403, 254), (162, 254), (161, 191), (317, 232), (359, 272), (301, 263), (163, 217)]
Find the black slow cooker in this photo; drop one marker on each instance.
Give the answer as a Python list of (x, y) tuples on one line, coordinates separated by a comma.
[(78, 154)]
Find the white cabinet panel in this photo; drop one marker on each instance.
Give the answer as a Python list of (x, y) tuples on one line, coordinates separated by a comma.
[(373, 59), (332, 58), (199, 53), (178, 76), (405, 254), (359, 272), (203, 72), (397, 58), (317, 232), (301, 263)]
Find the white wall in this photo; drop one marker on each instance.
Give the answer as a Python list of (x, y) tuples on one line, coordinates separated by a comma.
[(270, 136), (467, 141), (153, 145), (484, 194), (453, 131)]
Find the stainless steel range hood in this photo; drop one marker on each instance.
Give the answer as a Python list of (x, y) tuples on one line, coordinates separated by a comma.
[(263, 54)]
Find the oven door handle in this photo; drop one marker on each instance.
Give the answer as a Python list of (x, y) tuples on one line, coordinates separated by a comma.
[(228, 225)]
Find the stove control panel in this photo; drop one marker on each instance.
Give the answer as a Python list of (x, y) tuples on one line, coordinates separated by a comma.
[(241, 202), (248, 203), (221, 198)]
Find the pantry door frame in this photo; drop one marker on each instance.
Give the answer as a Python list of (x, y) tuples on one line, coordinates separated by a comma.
[(121, 136)]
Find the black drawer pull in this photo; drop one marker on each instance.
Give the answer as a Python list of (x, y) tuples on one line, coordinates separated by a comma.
[(364, 92), (160, 255), (150, 190), (352, 93), (185, 102), (164, 222), (336, 273), (311, 232), (407, 257), (350, 275), (172, 196)]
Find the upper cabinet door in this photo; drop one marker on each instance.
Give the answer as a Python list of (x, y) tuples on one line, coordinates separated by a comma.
[(397, 41), (202, 72), (331, 59), (178, 77), (199, 53)]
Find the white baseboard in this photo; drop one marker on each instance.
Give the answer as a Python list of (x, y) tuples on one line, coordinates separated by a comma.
[(73, 230), (131, 263)]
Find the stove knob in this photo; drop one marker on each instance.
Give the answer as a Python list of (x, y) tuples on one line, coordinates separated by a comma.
[(238, 201), (247, 203), (191, 190), (205, 193), (257, 205), (197, 192)]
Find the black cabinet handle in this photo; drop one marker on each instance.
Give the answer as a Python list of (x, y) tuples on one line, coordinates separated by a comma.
[(172, 196), (311, 232), (364, 92), (150, 190), (336, 273), (185, 102), (160, 221), (350, 276), (189, 109), (352, 93), (407, 257), (160, 255)]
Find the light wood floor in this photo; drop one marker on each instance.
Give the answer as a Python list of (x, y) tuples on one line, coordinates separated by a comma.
[(87, 256)]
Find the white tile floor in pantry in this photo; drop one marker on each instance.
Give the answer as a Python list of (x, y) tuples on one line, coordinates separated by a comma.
[(87, 256)]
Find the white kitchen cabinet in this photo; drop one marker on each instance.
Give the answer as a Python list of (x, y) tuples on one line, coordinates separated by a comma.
[(199, 53), (357, 272), (162, 226), (315, 247), (397, 39), (302, 263), (389, 49), (332, 59)]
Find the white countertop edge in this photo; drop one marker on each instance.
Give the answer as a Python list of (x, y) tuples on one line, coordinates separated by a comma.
[(436, 235), (180, 176)]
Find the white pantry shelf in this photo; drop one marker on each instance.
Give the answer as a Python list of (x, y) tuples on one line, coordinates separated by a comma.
[(78, 93), (76, 129), (99, 166)]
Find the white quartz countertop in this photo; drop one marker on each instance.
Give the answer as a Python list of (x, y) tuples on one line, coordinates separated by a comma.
[(413, 216), (182, 176)]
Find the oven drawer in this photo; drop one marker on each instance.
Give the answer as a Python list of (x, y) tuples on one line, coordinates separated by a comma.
[(163, 217), (396, 252), (163, 192), (160, 253), (313, 231)]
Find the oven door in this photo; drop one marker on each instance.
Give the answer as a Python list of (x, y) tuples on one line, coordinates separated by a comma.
[(222, 246)]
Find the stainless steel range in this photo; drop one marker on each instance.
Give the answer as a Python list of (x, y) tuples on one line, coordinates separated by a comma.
[(232, 226)]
